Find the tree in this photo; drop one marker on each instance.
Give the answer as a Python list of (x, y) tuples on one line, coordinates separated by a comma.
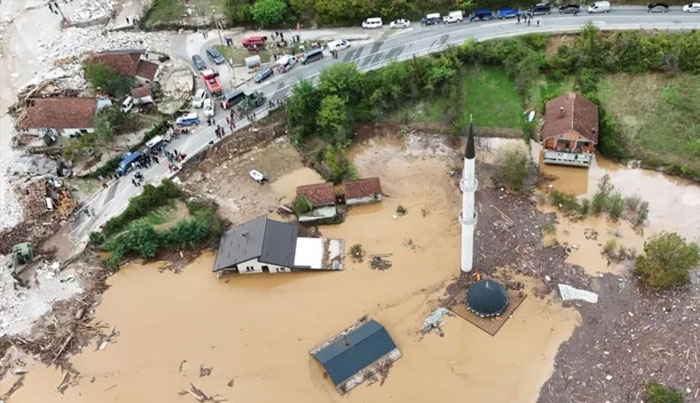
[(268, 12), (336, 167), (141, 238), (658, 393), (666, 261), (343, 80), (333, 122), (237, 11), (302, 109), (588, 43), (512, 167), (102, 76)]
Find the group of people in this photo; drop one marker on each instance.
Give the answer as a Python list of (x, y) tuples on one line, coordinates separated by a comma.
[(219, 131), (137, 180), (275, 103), (527, 19), (174, 158)]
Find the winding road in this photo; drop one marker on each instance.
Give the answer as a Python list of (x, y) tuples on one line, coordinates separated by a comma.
[(395, 45)]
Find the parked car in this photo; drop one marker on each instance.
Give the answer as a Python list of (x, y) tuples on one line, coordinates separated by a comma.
[(199, 97), (454, 16), (187, 120), (370, 23), (312, 55), (198, 62), (507, 13), (215, 56), (163, 58), (400, 23), (208, 107), (232, 98), (257, 176), (540, 9), (657, 8), (254, 42), (127, 104), (285, 63), (569, 9), (599, 7), (340, 44), (431, 19), (263, 74), (691, 8), (481, 14)]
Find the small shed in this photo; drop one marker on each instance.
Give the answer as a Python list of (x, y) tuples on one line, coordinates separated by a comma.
[(142, 95), (253, 63), (322, 197), (356, 353), (363, 191)]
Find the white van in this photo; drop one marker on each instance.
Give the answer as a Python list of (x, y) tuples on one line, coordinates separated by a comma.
[(127, 104), (454, 16), (372, 23), (599, 7), (339, 44)]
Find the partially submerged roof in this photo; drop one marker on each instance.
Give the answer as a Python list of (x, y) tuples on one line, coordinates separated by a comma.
[(270, 241), (354, 349), (127, 63), (362, 188), (59, 113), (571, 112), (319, 194)]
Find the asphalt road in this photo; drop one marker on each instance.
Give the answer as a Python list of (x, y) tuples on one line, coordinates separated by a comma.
[(395, 45)]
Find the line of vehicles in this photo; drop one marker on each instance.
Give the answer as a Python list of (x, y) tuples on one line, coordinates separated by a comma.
[(485, 14)]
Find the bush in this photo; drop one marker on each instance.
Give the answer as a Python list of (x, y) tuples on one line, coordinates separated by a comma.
[(336, 166), (658, 393), (302, 205), (141, 238), (565, 202), (268, 12), (357, 253), (151, 199), (615, 206), (666, 261), (511, 166), (102, 76), (97, 238)]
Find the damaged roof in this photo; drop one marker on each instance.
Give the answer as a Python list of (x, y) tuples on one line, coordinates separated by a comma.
[(59, 113), (320, 194), (352, 351), (140, 92), (269, 241), (571, 112), (127, 63), (362, 188)]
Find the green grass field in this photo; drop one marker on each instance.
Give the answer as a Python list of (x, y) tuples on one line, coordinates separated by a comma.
[(490, 96), (238, 55), (658, 115)]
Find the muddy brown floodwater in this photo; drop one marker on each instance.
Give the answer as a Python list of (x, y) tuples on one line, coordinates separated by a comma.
[(255, 332)]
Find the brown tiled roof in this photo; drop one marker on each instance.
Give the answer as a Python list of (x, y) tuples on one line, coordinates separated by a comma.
[(362, 188), (59, 113), (578, 114), (128, 64), (320, 194), (140, 92)]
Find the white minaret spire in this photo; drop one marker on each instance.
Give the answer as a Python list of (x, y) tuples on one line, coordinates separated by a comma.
[(467, 217)]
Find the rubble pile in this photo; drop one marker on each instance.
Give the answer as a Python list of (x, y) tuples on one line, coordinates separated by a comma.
[(10, 210), (90, 10), (47, 203), (20, 307)]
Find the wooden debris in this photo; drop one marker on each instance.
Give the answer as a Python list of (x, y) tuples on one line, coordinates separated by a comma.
[(200, 395)]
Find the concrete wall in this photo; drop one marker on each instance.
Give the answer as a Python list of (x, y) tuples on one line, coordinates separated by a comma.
[(319, 213), (254, 266), (364, 200)]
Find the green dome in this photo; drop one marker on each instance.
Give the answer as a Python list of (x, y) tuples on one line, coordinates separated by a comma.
[(487, 298)]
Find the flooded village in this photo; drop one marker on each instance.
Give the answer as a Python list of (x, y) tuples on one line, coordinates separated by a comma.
[(403, 227)]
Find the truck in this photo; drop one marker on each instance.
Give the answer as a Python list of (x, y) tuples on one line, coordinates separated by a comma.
[(453, 16), (251, 101), (211, 79)]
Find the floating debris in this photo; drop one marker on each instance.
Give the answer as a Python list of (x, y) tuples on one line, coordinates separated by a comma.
[(569, 293)]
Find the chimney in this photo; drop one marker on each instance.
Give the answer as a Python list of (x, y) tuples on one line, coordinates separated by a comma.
[(561, 111)]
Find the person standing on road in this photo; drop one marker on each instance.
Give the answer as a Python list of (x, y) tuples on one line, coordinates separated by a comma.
[(517, 23), (528, 21), (538, 23)]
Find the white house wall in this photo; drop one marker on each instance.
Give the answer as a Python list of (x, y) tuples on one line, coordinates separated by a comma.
[(253, 266), (364, 200), (319, 213)]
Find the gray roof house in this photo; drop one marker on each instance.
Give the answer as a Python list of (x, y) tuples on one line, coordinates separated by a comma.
[(263, 241), (356, 353)]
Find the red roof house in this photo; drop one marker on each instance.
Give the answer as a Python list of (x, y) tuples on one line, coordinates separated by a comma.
[(570, 130), (65, 115), (368, 190), (322, 196), (128, 63)]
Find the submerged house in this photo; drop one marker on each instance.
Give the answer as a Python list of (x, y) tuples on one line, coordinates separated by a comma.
[(322, 198), (263, 245), (356, 353), (363, 191), (570, 130)]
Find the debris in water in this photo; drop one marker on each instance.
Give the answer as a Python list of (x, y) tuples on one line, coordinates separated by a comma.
[(204, 371), (379, 263), (357, 253), (434, 321), (200, 395), (230, 383), (568, 293), (181, 364)]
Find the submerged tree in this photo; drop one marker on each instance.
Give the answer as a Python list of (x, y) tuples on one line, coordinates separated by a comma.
[(667, 261)]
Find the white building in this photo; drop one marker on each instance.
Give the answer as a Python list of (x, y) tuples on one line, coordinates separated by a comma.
[(267, 246)]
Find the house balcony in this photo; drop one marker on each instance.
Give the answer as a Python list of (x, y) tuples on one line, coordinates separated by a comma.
[(577, 159)]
